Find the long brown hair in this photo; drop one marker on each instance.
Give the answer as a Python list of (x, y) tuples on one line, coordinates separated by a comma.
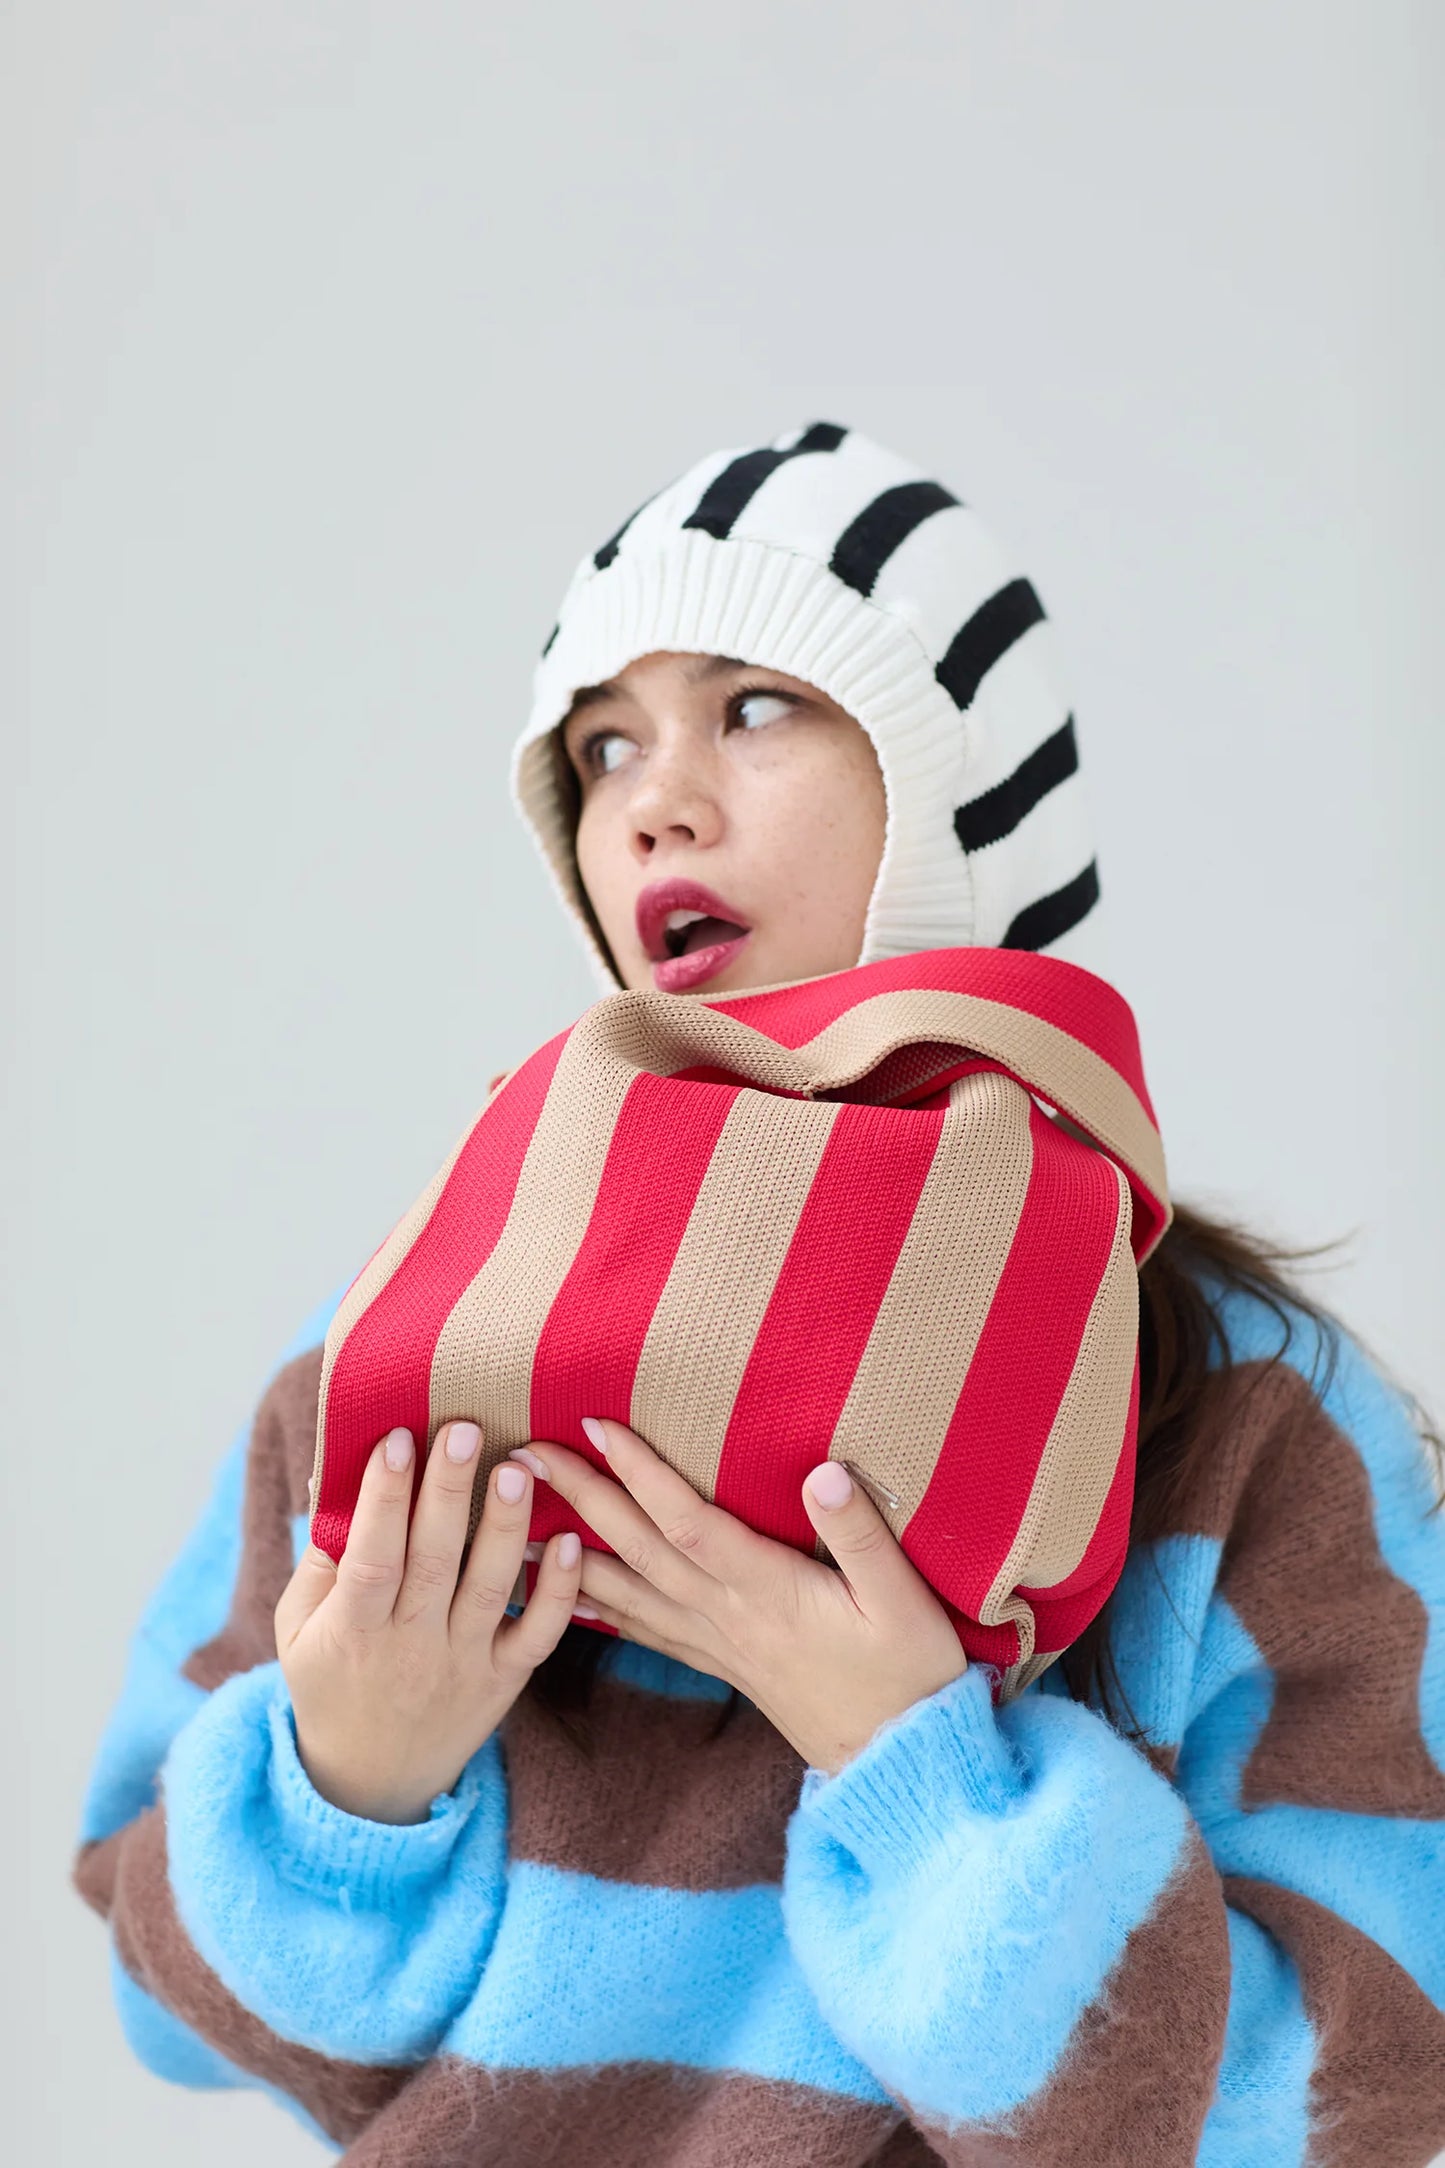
[(1183, 1350)]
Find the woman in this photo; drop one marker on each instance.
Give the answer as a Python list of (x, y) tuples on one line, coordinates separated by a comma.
[(767, 1875)]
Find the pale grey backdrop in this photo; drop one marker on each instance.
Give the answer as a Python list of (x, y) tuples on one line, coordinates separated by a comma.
[(336, 332)]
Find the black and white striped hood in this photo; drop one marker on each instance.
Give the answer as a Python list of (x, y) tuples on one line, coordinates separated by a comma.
[(827, 557)]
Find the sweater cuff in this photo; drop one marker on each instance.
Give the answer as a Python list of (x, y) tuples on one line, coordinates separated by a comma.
[(364, 1863), (897, 1800)]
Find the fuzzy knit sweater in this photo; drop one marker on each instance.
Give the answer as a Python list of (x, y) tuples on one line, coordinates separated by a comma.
[(1004, 1936)]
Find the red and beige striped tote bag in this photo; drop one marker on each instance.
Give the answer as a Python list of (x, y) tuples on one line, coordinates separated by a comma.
[(892, 1215)]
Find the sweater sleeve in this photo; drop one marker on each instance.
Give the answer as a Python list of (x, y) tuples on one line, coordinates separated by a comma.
[(1049, 1949), (260, 1936)]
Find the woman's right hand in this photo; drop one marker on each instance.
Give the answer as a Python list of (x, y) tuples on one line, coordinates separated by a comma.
[(398, 1668)]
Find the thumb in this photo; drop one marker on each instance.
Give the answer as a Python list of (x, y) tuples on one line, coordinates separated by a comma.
[(857, 1535), (305, 1592)]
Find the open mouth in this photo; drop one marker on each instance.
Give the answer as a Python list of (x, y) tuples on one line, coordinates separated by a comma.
[(687, 933)]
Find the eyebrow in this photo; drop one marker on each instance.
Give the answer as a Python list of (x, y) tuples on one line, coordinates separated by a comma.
[(703, 667), (698, 670)]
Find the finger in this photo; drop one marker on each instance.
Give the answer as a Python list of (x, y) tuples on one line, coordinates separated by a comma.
[(862, 1544), (600, 1615), (368, 1573), (623, 1594), (495, 1559), (439, 1523), (628, 1627), (308, 1587), (521, 1643), (713, 1539), (617, 1517)]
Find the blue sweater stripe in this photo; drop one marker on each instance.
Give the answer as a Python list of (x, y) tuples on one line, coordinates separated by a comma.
[(166, 2045), (265, 1871), (701, 1978), (1260, 2111), (155, 1700), (999, 1822), (1162, 1594)]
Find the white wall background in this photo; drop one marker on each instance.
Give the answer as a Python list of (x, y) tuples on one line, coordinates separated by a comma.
[(336, 332)]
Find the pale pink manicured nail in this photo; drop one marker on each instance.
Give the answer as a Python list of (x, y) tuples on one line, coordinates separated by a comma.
[(462, 1440), (584, 1610), (596, 1433), (569, 1549), (511, 1484), (530, 1460), (830, 1484), (397, 1450)]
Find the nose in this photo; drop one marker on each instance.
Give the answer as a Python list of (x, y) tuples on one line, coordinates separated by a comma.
[(676, 798)]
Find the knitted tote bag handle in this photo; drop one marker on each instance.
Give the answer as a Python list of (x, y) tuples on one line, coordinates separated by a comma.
[(826, 1219)]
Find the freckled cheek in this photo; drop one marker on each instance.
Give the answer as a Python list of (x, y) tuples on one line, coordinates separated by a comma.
[(809, 880), (837, 859), (773, 836)]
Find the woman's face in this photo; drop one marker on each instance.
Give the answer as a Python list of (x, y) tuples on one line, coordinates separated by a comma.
[(731, 823)]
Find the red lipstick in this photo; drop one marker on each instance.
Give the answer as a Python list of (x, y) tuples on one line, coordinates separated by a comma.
[(688, 932)]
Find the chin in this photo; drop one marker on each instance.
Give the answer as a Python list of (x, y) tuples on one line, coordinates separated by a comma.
[(752, 971)]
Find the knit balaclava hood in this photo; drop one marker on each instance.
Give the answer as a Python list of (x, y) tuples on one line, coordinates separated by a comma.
[(829, 558)]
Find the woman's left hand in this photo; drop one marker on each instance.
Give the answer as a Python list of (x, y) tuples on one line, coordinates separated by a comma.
[(826, 1656)]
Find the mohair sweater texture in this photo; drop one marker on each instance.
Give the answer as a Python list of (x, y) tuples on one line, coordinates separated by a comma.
[(998, 1935)]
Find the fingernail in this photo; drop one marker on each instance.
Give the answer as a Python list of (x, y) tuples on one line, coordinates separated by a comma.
[(532, 1551), (569, 1550), (462, 1440), (831, 1485), (397, 1450), (511, 1483), (530, 1460), (595, 1433), (584, 1610)]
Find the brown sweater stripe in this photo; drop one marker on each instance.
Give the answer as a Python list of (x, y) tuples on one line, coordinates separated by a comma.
[(628, 2115), (1378, 2091), (658, 1802), (278, 1470), (1289, 1496), (154, 1948)]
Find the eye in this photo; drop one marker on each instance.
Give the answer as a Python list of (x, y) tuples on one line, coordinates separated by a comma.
[(756, 708), (603, 751)]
